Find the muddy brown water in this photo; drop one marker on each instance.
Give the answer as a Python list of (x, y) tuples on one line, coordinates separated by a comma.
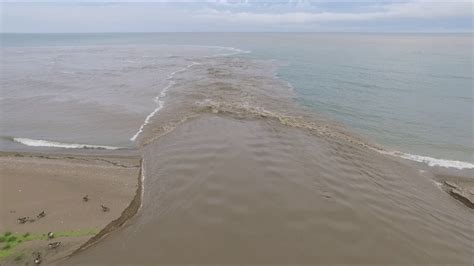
[(225, 190), (236, 172)]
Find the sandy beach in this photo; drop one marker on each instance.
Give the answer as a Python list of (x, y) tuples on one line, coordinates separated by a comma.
[(57, 185)]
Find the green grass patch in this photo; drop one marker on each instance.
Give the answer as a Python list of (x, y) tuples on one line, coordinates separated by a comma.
[(78, 233), (10, 241)]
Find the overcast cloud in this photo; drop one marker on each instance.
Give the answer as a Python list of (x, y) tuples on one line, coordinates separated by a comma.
[(185, 16)]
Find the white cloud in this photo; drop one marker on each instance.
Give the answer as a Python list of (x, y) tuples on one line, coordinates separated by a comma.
[(415, 10), (220, 15), (282, 18)]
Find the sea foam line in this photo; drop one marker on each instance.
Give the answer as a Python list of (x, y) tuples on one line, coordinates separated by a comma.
[(158, 99), (55, 144), (430, 160), (142, 192), (234, 51)]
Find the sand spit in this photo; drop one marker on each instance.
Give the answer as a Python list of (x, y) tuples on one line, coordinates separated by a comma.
[(61, 194), (128, 213)]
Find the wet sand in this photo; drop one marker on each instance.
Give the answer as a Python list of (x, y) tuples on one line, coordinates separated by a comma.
[(224, 190), (56, 184)]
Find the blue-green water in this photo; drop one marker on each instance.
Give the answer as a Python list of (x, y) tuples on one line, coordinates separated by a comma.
[(407, 92)]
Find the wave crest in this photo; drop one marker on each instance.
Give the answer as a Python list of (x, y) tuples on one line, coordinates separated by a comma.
[(54, 144), (431, 161)]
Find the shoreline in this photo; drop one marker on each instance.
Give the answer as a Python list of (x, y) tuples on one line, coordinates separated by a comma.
[(446, 177), (208, 207), (224, 99), (56, 182), (127, 214)]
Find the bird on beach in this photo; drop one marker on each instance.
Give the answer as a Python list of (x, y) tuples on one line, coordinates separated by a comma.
[(41, 215), (85, 198), (37, 258), (23, 220), (104, 208), (50, 235), (54, 245)]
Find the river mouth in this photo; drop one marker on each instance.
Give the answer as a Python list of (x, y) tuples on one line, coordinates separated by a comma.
[(226, 190), (235, 169), (236, 172)]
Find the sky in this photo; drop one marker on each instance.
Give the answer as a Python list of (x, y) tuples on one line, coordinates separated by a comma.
[(237, 16)]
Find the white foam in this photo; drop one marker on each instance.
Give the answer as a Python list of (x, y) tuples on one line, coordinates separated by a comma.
[(158, 99), (431, 161), (142, 186), (438, 184), (233, 51), (54, 144)]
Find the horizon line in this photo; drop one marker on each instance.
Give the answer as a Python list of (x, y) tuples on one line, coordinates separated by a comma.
[(141, 32)]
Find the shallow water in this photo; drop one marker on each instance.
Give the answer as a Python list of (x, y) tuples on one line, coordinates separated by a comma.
[(236, 169), (92, 95), (236, 172), (408, 92), (225, 190)]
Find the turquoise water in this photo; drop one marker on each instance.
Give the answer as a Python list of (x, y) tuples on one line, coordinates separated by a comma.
[(407, 92), (410, 93)]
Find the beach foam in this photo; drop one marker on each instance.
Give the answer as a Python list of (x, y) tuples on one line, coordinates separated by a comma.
[(159, 101), (230, 90), (297, 122), (431, 161), (55, 144), (233, 51)]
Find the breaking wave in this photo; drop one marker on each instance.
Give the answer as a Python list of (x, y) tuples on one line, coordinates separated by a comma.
[(232, 51), (431, 161), (298, 122), (55, 144), (158, 99)]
